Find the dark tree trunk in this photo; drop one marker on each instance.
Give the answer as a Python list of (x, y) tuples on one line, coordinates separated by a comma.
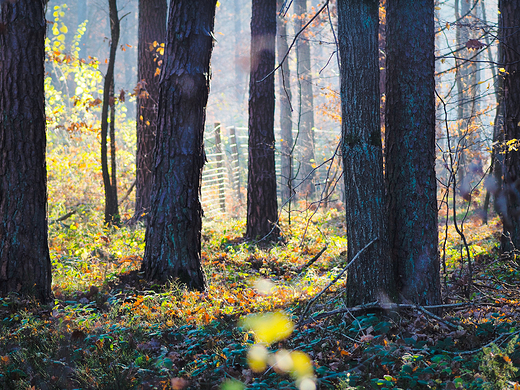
[(173, 234), (410, 149), (110, 185), (25, 265), (152, 28), (510, 197), (285, 108), (371, 277), (494, 182), (262, 212), (306, 105)]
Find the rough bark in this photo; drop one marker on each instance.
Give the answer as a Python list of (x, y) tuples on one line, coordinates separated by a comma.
[(285, 94), (306, 104), (25, 266), (109, 183), (510, 49), (494, 182), (152, 28), (262, 209), (173, 234), (410, 149), (370, 278)]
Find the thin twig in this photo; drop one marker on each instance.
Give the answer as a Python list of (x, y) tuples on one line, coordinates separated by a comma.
[(390, 306), (313, 260), (128, 193), (336, 278)]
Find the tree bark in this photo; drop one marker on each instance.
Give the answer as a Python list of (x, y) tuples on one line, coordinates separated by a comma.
[(173, 234), (306, 106), (152, 28), (240, 68), (25, 266), (262, 211), (109, 182), (370, 278), (510, 49), (467, 87), (284, 75), (410, 149)]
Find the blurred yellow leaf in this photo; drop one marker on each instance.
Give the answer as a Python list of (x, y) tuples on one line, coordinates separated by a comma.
[(269, 328), (302, 365), (257, 358)]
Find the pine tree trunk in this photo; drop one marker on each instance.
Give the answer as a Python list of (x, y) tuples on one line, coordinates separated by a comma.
[(173, 234), (111, 206), (467, 85), (510, 42), (370, 277), (410, 149), (152, 28), (285, 97), (262, 211), (25, 266), (306, 105)]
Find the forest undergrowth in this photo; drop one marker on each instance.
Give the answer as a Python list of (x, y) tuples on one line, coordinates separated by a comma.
[(110, 329)]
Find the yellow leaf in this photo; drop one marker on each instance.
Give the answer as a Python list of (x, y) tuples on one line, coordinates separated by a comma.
[(257, 358), (302, 364), (64, 29), (503, 70), (437, 8), (269, 328), (157, 72), (218, 3)]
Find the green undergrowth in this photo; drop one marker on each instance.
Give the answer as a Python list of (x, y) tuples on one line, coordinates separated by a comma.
[(108, 328)]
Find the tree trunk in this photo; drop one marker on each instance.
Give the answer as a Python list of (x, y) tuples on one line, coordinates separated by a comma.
[(262, 212), (410, 149), (494, 182), (25, 266), (306, 106), (285, 108), (152, 28), (240, 68), (467, 85), (510, 48), (370, 278), (111, 206), (173, 234)]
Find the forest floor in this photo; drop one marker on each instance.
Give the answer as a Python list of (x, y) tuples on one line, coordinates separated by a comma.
[(110, 329)]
